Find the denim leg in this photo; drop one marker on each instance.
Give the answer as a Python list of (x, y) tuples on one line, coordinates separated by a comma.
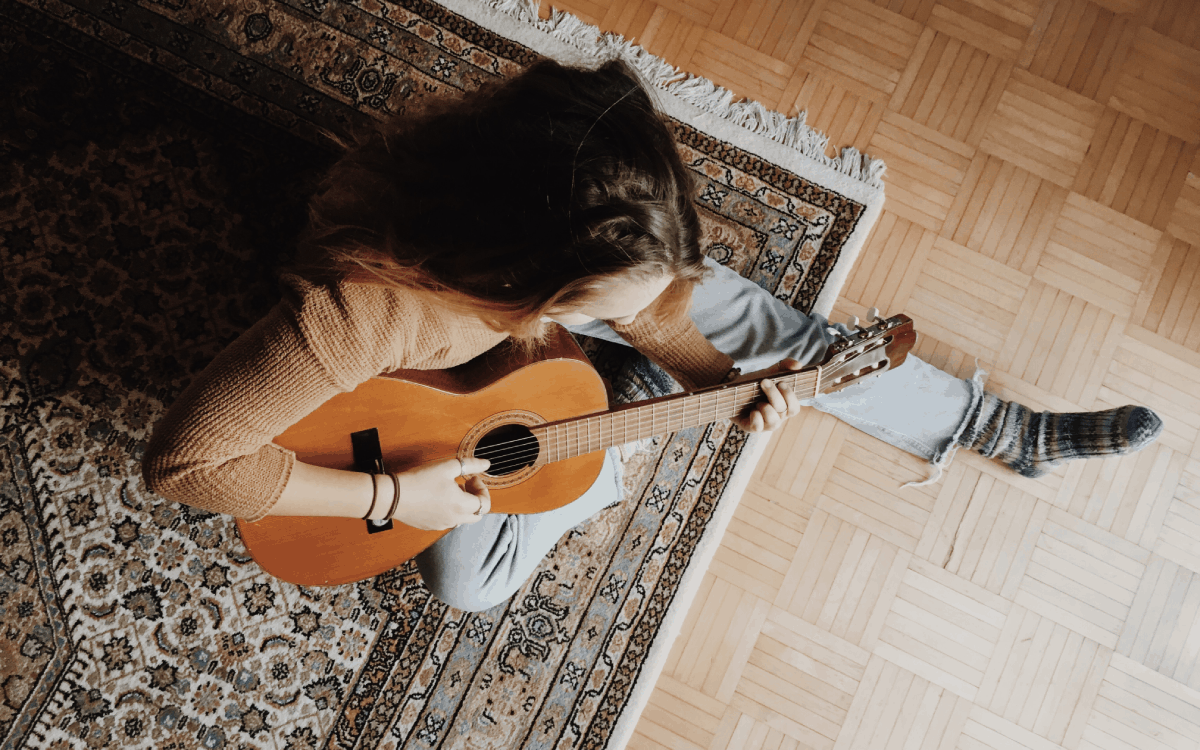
[(915, 407), (477, 566)]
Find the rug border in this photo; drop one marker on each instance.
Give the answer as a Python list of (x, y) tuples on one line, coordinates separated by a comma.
[(859, 189)]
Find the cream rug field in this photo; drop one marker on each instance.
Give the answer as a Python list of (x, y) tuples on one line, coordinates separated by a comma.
[(154, 162)]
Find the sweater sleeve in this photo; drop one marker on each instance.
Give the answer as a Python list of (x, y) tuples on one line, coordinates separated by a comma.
[(214, 448), (678, 347)]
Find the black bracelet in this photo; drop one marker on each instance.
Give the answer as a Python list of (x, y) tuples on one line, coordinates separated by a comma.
[(396, 497), (374, 498)]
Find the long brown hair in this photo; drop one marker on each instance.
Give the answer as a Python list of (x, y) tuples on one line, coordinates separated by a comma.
[(513, 200)]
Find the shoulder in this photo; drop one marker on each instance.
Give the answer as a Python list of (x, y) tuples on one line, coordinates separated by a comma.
[(382, 327), (352, 304), (356, 328)]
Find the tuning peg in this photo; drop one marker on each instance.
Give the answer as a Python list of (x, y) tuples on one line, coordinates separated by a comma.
[(836, 333), (852, 321), (873, 315)]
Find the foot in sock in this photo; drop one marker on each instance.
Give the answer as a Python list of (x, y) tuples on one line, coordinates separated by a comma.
[(1032, 443)]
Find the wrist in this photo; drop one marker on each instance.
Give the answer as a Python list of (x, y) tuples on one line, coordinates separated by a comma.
[(395, 493)]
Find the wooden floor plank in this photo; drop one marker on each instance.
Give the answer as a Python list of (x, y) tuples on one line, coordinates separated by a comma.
[(1043, 213)]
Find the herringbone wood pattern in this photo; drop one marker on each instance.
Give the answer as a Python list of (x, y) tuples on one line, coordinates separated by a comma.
[(1043, 215)]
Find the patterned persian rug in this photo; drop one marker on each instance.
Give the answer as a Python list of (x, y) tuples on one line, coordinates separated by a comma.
[(156, 160)]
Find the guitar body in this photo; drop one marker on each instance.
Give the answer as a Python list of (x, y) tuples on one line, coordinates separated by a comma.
[(427, 416)]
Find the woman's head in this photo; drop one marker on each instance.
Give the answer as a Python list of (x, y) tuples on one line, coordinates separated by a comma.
[(530, 197)]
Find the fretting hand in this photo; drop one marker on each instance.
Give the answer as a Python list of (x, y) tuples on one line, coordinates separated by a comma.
[(781, 402)]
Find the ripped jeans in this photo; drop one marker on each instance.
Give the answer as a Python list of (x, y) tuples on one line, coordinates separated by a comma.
[(915, 407)]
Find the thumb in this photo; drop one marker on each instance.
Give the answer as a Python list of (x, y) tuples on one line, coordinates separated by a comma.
[(789, 364), (475, 465)]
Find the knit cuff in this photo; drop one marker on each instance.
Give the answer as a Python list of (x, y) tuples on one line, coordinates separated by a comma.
[(679, 348)]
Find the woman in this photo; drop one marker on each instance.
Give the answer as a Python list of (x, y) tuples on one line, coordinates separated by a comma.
[(564, 200)]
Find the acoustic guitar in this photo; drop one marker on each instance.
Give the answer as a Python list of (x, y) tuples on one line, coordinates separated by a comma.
[(542, 423)]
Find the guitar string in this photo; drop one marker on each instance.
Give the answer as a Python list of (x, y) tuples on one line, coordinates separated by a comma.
[(652, 415), (525, 454), (528, 454)]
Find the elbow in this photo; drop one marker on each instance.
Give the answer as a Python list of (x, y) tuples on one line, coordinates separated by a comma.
[(161, 467), (169, 476), (172, 472), (224, 482)]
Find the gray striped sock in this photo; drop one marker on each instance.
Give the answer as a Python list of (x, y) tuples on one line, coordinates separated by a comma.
[(1031, 443)]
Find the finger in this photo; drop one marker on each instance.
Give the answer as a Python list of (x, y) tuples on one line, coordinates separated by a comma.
[(789, 397), (756, 422), (465, 467), (482, 492), (770, 417), (791, 401), (774, 397), (790, 364), (478, 500)]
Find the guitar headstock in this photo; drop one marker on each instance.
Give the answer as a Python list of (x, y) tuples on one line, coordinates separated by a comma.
[(866, 352)]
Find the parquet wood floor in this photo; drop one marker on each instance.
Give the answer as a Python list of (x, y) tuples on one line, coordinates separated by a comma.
[(1043, 215)]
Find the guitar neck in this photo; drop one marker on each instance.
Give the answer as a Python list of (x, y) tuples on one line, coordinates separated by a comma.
[(569, 438)]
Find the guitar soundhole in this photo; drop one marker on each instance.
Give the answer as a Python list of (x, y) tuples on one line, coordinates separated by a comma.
[(510, 448)]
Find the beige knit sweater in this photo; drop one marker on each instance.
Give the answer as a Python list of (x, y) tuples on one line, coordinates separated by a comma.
[(213, 448)]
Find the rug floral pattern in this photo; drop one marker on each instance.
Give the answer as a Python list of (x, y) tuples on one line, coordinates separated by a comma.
[(156, 158)]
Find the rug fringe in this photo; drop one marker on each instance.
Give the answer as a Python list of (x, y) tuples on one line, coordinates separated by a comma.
[(702, 93)]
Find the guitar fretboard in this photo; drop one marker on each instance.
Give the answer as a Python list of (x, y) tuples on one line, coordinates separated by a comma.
[(581, 435)]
